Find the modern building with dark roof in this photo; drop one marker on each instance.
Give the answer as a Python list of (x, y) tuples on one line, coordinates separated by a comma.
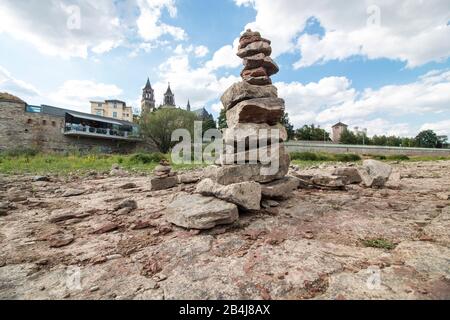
[(50, 128)]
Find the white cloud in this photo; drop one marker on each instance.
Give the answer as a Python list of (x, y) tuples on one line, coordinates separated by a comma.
[(15, 86), (381, 111), (76, 94), (150, 26), (201, 51), (200, 85), (440, 127), (225, 57), (59, 29), (413, 31)]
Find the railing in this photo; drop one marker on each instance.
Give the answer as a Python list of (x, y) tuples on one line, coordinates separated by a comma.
[(74, 128)]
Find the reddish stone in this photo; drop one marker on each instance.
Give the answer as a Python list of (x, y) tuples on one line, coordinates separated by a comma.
[(258, 72), (106, 228)]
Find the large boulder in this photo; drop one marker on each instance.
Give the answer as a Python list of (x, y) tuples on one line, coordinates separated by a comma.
[(260, 110), (280, 189), (200, 212), (229, 174), (375, 174), (246, 195), (241, 91), (247, 132), (255, 48)]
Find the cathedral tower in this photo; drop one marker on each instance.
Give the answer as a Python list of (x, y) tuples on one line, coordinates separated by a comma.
[(169, 98), (148, 99)]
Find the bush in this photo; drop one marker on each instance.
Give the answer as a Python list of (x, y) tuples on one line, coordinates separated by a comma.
[(304, 156), (146, 158), (400, 157), (347, 157), (378, 243), (378, 157)]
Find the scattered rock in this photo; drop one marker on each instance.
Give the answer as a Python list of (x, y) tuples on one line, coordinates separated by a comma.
[(443, 195), (394, 181), (246, 195), (129, 185), (374, 173), (188, 178), (351, 174), (61, 217), (164, 183), (269, 203), (41, 178), (329, 181), (73, 193), (200, 212), (139, 225), (61, 240), (106, 228), (129, 204), (280, 189)]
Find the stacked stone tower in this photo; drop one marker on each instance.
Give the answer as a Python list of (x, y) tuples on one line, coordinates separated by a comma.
[(254, 164), (253, 112)]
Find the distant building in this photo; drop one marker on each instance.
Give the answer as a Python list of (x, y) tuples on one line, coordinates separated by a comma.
[(113, 109), (148, 98), (203, 114), (169, 99), (148, 102), (337, 131), (51, 129)]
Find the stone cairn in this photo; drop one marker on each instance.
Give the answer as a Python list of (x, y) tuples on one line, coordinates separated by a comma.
[(249, 171), (164, 177)]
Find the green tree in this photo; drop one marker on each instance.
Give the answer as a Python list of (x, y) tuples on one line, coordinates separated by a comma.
[(427, 139), (208, 123), (312, 133), (222, 119), (289, 127), (348, 137), (158, 126)]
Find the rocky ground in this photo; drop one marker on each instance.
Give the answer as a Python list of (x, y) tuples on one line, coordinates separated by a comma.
[(106, 237)]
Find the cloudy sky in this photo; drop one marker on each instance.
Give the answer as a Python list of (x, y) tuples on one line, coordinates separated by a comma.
[(379, 64)]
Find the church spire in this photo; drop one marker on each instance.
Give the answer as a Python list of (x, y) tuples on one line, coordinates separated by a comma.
[(188, 107), (148, 85), (148, 98), (169, 97)]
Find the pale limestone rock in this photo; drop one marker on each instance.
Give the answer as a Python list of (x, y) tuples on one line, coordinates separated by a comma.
[(280, 189), (246, 195), (241, 91), (200, 212), (260, 110)]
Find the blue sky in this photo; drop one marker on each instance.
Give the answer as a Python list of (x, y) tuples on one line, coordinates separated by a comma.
[(381, 65)]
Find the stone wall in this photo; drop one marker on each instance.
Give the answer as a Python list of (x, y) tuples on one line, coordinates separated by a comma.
[(293, 146), (21, 129)]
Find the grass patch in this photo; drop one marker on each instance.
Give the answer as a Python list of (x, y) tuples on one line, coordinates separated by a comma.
[(378, 243), (41, 164), (316, 156)]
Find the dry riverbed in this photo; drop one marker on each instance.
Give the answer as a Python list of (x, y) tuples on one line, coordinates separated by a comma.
[(106, 237)]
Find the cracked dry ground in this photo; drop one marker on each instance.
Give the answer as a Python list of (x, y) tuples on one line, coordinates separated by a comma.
[(307, 248)]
